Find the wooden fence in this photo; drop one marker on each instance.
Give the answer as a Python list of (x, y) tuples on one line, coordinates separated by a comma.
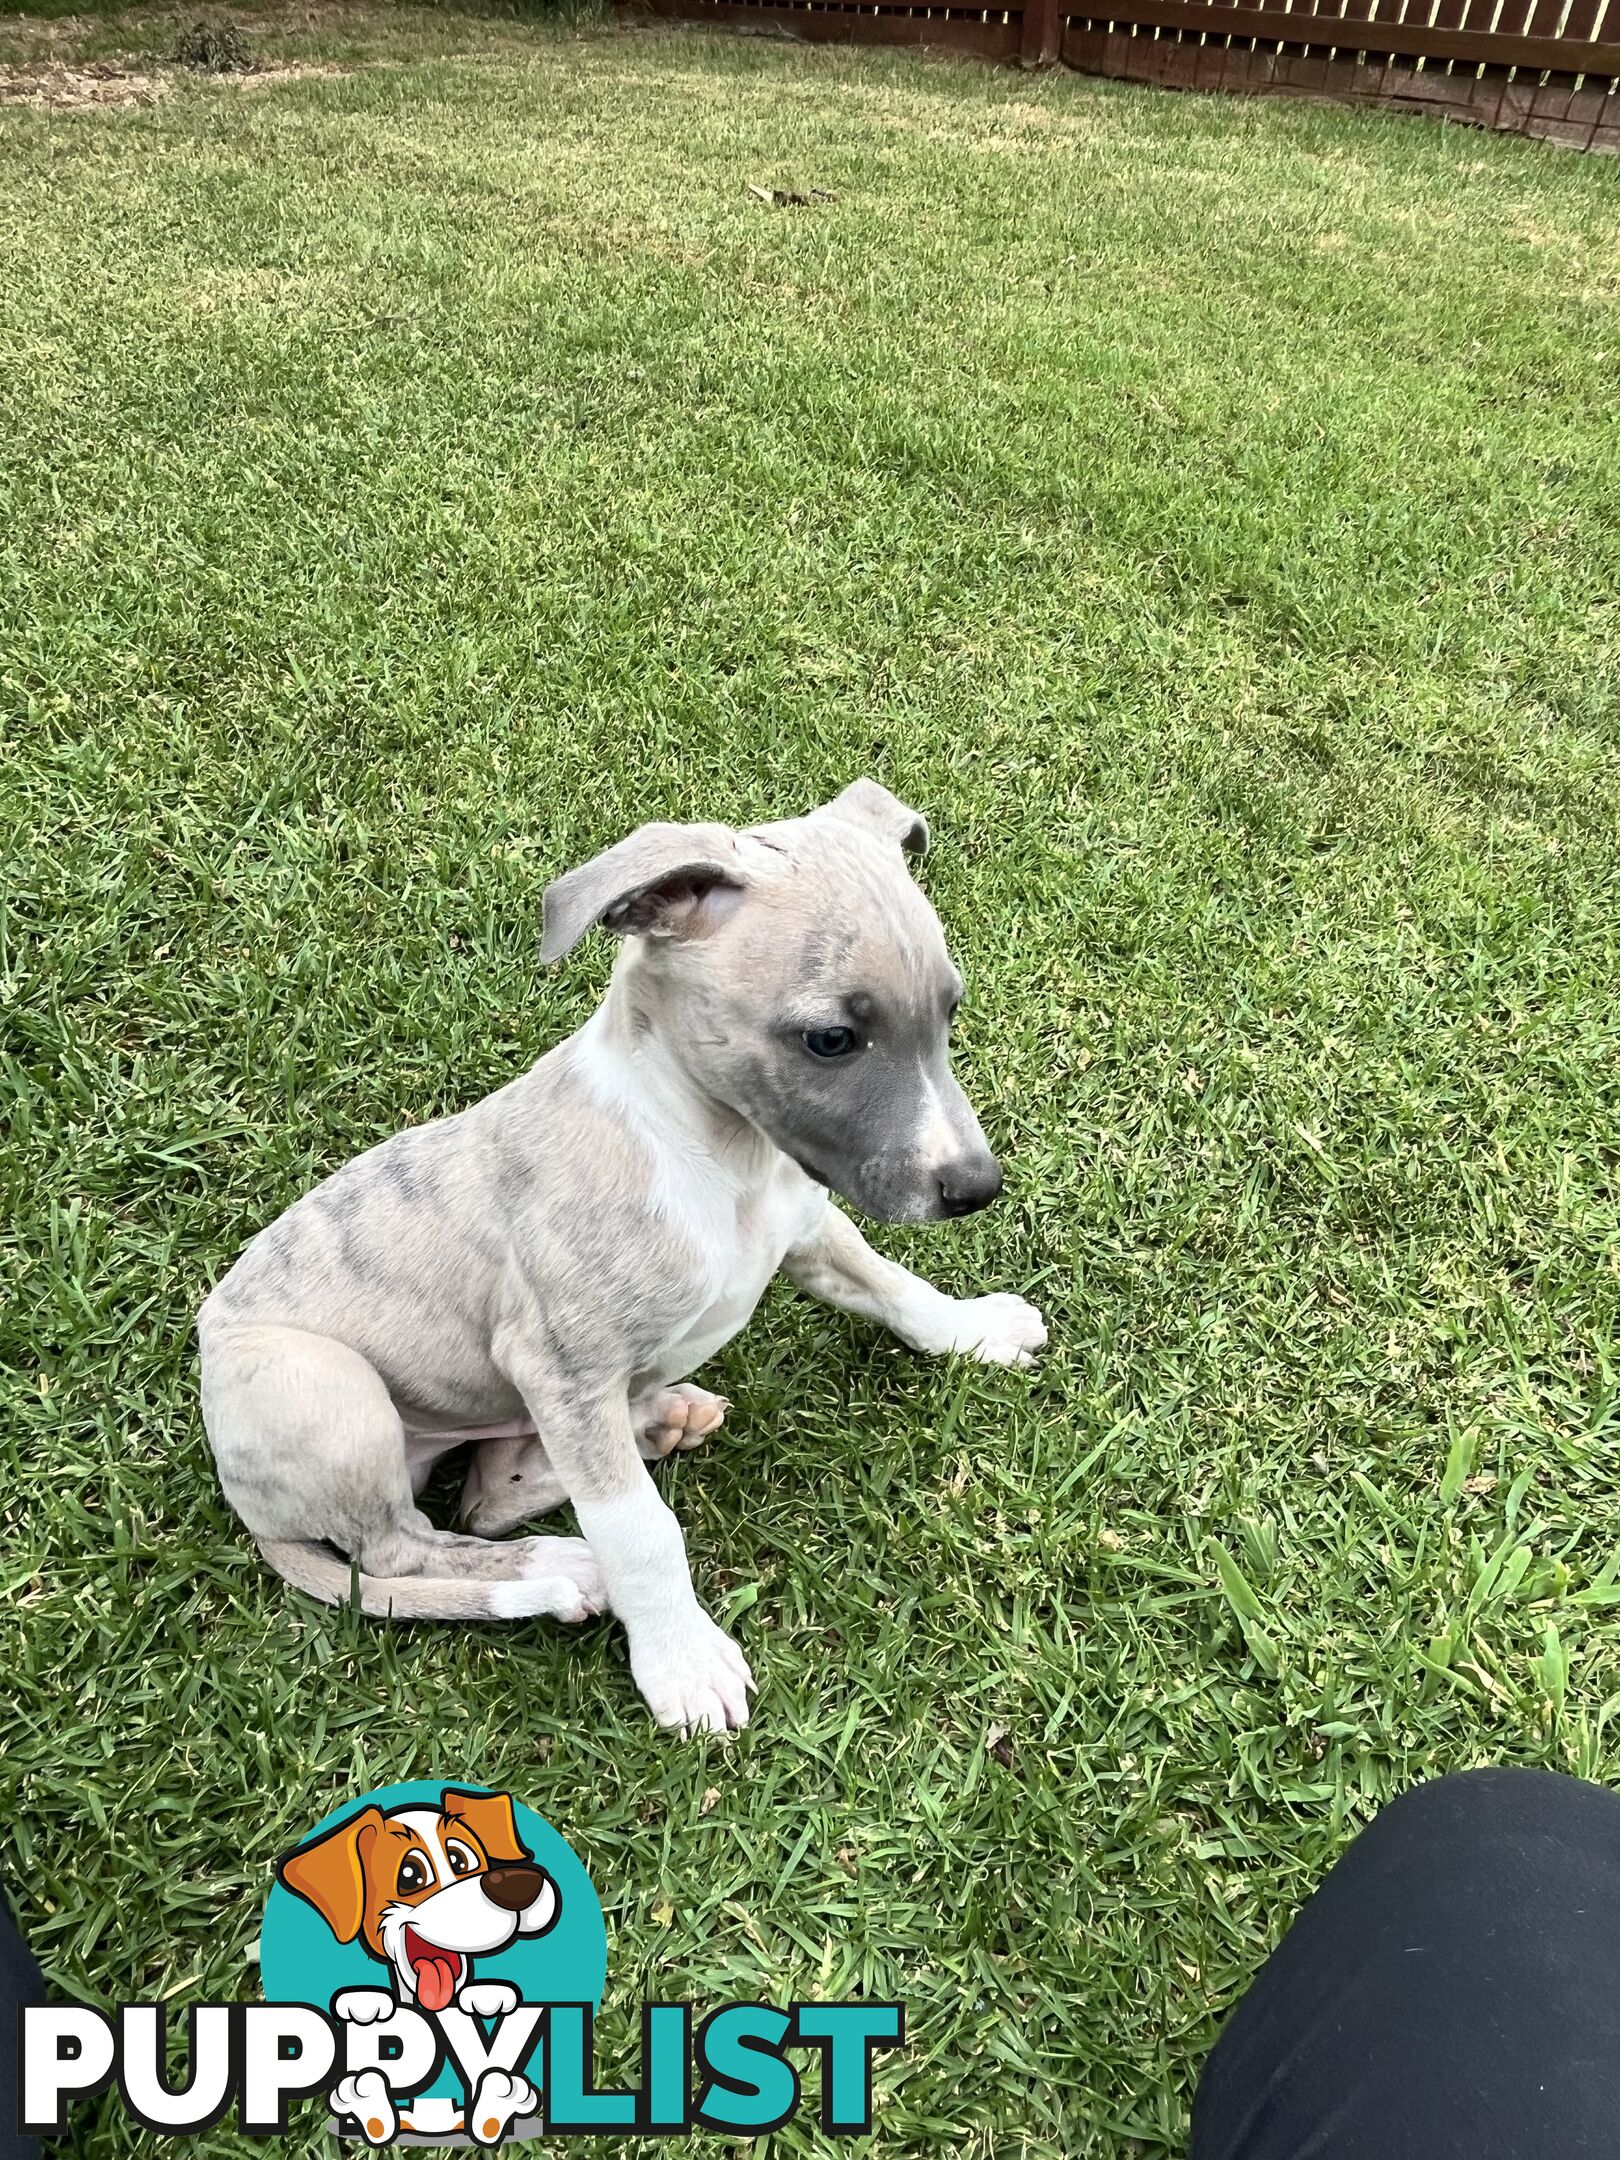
[(1535, 67)]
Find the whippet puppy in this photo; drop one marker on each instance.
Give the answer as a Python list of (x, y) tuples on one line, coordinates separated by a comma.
[(537, 1273)]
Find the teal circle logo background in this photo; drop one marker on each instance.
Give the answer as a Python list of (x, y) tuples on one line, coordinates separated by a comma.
[(301, 1960)]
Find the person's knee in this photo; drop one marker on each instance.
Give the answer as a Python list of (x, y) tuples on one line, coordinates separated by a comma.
[(1465, 1806), (1449, 1853), (1452, 1984)]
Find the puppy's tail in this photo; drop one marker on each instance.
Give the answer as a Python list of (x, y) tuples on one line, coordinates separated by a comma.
[(324, 1574)]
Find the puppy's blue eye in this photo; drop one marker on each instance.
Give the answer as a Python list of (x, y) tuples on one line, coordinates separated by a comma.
[(830, 1042)]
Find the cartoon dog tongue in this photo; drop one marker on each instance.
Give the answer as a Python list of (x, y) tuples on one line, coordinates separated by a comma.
[(436, 1972)]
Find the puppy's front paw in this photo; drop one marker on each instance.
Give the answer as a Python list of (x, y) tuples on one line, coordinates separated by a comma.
[(488, 1998), (363, 2006), (997, 1330), (693, 1677), (366, 2098), (499, 2101)]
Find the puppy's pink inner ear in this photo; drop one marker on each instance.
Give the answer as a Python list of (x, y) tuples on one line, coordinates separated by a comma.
[(713, 907), (687, 905)]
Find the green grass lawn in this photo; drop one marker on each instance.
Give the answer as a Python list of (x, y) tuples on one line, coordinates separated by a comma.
[(1209, 514)]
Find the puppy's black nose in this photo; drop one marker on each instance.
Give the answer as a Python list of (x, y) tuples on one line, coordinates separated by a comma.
[(513, 1889), (970, 1185)]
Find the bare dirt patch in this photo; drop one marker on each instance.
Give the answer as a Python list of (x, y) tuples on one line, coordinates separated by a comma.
[(63, 86), (270, 72), (60, 86)]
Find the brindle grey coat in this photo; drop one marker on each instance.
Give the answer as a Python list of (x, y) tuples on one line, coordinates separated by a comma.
[(540, 1272)]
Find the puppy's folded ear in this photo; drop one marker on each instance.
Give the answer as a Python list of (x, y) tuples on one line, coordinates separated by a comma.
[(868, 803), (330, 1874), (490, 1818), (659, 882)]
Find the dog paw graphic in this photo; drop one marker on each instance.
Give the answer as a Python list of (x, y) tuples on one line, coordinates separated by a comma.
[(363, 2006), (487, 1998), (365, 2096), (498, 2102), (997, 1330)]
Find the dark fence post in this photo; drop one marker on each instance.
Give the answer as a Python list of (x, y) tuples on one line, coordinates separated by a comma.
[(1039, 45)]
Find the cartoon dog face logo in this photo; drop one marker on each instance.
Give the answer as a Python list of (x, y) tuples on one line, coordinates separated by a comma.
[(426, 1889)]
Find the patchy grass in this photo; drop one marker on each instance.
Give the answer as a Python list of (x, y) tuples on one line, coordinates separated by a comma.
[(1206, 512)]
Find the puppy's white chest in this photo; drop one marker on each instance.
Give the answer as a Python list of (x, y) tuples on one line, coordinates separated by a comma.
[(739, 1238)]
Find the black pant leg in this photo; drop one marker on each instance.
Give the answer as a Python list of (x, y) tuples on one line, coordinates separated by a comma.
[(20, 1983), (1451, 1992)]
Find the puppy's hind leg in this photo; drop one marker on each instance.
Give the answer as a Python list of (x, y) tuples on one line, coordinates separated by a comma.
[(507, 1482), (311, 1454), (511, 1480), (679, 1417)]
